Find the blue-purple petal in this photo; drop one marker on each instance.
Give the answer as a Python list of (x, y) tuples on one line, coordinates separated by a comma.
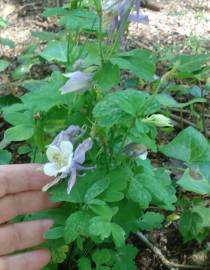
[(79, 154), (72, 133), (138, 18), (72, 180)]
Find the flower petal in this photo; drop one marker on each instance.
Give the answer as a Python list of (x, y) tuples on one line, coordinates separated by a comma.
[(66, 148), (78, 81), (52, 150), (72, 180), (51, 184), (138, 18), (79, 154), (143, 156), (50, 169)]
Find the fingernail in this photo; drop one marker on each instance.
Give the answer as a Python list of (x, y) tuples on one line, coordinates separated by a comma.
[(48, 223)]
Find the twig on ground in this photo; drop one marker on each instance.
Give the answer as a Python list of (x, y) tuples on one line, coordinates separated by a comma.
[(164, 260), (178, 118)]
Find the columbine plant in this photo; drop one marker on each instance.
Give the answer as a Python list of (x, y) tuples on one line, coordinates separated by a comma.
[(63, 161), (102, 205)]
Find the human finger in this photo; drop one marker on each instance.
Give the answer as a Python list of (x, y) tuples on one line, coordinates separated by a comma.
[(14, 237), (21, 177), (34, 260), (23, 203)]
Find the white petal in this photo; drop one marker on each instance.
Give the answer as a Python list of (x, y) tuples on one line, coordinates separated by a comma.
[(67, 150), (50, 169), (52, 151), (51, 184), (143, 156)]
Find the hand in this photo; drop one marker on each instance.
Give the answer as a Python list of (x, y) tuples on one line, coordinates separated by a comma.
[(20, 193)]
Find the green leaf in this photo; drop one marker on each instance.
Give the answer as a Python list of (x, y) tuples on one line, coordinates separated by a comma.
[(168, 101), (84, 264), (45, 36), (80, 19), (107, 114), (8, 100), (151, 221), (195, 223), (118, 107), (55, 51), (58, 11), (48, 96), (118, 182), (19, 133), (76, 225), (100, 227), (18, 118), (130, 101), (138, 61), (78, 192), (96, 189), (158, 184), (54, 233), (103, 256), (103, 268), (59, 253), (3, 64), (102, 210), (108, 76), (125, 258), (34, 85), (7, 42), (191, 63), (5, 157), (189, 145), (118, 235), (201, 185), (137, 193)]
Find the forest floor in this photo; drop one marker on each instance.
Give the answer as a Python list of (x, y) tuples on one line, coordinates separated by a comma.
[(179, 26)]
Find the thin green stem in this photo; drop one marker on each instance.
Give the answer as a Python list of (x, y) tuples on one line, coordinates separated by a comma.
[(68, 49), (100, 37)]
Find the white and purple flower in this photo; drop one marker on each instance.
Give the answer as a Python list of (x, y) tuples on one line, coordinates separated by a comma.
[(63, 160), (117, 12), (78, 81)]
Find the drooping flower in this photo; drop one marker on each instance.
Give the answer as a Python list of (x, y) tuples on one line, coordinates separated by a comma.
[(158, 120), (118, 12), (136, 150), (63, 161), (78, 81)]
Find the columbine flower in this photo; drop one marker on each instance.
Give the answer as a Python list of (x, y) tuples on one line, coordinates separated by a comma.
[(63, 161), (78, 81), (136, 150), (158, 120), (117, 12)]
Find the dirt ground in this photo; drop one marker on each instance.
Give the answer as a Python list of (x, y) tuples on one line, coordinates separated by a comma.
[(179, 26)]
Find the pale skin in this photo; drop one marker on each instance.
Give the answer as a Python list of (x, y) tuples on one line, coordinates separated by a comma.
[(20, 193)]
